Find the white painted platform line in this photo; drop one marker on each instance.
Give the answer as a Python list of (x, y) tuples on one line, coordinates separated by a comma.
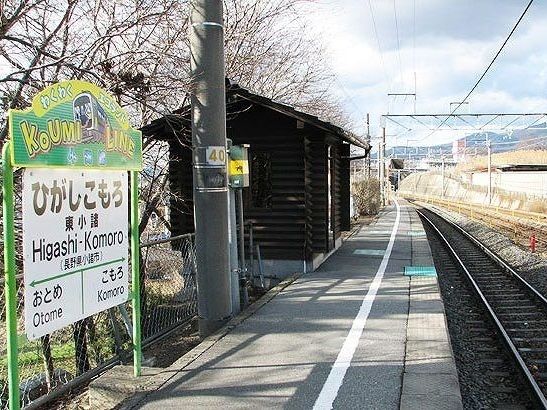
[(336, 376), (370, 252), (368, 233)]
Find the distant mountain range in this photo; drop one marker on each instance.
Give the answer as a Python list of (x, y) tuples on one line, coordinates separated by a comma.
[(533, 138)]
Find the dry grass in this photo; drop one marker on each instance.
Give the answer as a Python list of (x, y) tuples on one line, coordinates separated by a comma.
[(366, 194), (513, 157), (539, 207)]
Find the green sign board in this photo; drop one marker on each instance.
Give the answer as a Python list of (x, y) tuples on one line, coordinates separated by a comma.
[(74, 124)]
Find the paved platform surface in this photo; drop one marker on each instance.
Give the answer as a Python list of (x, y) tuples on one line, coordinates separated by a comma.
[(304, 348)]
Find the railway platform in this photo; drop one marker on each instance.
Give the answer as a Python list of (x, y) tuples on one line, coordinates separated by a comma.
[(356, 333)]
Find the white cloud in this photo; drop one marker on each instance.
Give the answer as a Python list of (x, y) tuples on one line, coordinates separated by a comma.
[(455, 41)]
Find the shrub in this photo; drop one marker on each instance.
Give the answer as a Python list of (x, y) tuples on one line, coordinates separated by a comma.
[(537, 206), (366, 196)]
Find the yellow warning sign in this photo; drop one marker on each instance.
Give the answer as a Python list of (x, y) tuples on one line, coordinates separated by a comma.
[(239, 167)]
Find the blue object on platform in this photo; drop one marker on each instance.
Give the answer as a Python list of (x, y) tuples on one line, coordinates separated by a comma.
[(420, 271)]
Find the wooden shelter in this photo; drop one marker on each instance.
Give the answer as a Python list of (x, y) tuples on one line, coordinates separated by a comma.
[(299, 195)]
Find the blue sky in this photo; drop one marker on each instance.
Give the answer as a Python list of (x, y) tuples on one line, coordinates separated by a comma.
[(449, 46)]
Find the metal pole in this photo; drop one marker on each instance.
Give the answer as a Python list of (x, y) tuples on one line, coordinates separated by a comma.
[(368, 140), (414, 92), (135, 274), (209, 159), (384, 187), (234, 265), (241, 249), (241, 232), (379, 173), (10, 286), (489, 146)]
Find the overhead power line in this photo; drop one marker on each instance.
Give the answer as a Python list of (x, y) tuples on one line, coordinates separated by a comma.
[(497, 54), (348, 96), (378, 41), (414, 48), (398, 42), (485, 71)]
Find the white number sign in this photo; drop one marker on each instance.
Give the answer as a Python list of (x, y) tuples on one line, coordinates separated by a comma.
[(215, 155)]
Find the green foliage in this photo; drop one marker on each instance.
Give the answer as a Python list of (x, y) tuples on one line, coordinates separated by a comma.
[(31, 361), (366, 196)]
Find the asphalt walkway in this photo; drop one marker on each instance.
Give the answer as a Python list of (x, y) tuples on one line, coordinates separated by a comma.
[(356, 333)]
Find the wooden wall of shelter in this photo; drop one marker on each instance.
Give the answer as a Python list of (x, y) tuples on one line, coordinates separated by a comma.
[(296, 169)]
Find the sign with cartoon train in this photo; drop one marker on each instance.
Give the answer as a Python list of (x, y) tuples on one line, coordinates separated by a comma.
[(76, 146), (74, 124)]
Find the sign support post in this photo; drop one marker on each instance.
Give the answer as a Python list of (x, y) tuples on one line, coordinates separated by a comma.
[(11, 283), (135, 273)]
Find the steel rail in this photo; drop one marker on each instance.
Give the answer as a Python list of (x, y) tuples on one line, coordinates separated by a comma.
[(514, 213), (538, 394), (522, 222), (496, 259)]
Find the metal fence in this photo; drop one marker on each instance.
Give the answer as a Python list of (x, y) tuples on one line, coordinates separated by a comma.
[(169, 291), (73, 355)]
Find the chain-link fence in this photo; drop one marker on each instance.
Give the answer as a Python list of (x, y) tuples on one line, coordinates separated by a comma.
[(169, 292), (76, 353)]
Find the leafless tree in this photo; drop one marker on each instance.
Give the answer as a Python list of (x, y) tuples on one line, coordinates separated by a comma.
[(269, 51), (138, 50)]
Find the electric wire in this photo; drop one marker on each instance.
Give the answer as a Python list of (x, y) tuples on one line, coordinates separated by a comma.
[(483, 74), (414, 49), (378, 41), (398, 42), (414, 35), (348, 96)]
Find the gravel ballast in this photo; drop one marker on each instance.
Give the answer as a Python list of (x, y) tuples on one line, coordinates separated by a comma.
[(530, 266)]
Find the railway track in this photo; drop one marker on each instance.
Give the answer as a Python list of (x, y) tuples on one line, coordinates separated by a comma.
[(510, 311), (518, 225)]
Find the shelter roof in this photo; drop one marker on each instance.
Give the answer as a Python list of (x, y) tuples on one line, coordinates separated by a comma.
[(179, 121)]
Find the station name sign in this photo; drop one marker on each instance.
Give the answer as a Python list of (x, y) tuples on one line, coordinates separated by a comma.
[(75, 242), (76, 146)]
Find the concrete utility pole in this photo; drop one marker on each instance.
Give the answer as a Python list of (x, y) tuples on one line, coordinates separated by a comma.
[(380, 174), (442, 173), (368, 140), (209, 161), (383, 167), (379, 171), (489, 147)]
